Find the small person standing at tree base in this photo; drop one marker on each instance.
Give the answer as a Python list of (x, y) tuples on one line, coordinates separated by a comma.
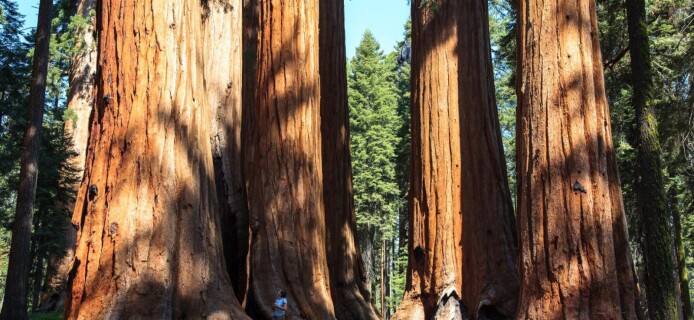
[(280, 306)]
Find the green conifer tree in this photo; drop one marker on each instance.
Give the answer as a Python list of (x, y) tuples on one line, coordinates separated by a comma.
[(15, 69), (400, 64), (374, 125)]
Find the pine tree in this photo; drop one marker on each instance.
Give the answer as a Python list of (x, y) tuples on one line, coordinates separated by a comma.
[(671, 46), (502, 34), (401, 66), (15, 298), (56, 181), (50, 214), (374, 125), (15, 72), (651, 199)]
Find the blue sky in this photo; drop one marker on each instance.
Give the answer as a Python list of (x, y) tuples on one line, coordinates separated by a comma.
[(30, 10), (385, 18)]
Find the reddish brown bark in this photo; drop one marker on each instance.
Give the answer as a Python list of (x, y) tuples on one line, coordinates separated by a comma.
[(14, 305), (575, 261), (347, 278), (148, 239), (283, 164), (80, 102), (490, 282), (461, 233), (435, 250), (222, 30)]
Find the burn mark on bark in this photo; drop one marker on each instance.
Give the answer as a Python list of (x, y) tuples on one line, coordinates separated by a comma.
[(419, 254), (578, 187), (93, 192), (488, 311), (113, 229)]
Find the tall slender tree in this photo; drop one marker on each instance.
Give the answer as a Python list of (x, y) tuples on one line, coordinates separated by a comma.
[(459, 193), (148, 238), (374, 124), (680, 256), (575, 260), (650, 189), (283, 164), (401, 79), (14, 305), (348, 284), (14, 82)]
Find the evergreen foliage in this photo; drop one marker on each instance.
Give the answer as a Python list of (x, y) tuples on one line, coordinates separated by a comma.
[(671, 31), (503, 41), (401, 68), (56, 175), (15, 70), (374, 126)]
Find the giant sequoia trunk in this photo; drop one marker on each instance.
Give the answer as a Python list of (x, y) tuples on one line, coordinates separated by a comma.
[(80, 102), (14, 305), (222, 32), (650, 189), (283, 164), (575, 261), (461, 244), (148, 239), (347, 279)]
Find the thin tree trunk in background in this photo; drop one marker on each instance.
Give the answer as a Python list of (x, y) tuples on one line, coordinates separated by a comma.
[(38, 278), (402, 232), (575, 261), (368, 254), (2, 115), (349, 288), (32, 258), (223, 80), (56, 102), (148, 237), (283, 164), (650, 190), (389, 283), (680, 254), (386, 280), (76, 128), (383, 278), (14, 305), (459, 195)]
